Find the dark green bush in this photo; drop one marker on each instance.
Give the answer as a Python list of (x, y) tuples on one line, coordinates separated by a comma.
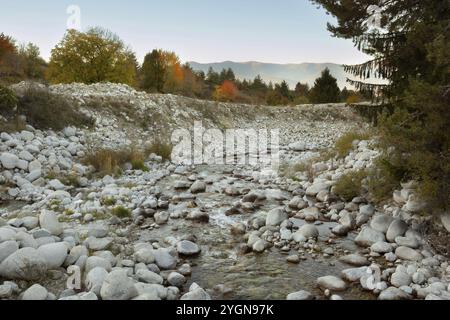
[(45, 110)]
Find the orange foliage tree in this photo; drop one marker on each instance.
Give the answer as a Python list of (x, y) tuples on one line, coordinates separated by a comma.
[(227, 91)]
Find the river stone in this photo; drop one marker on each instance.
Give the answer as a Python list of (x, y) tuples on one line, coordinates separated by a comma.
[(275, 217), (97, 244), (198, 187), (311, 214), (368, 237), (331, 283), (406, 253), (187, 248), (368, 210), (7, 248), (24, 264), (340, 230), (396, 229), (6, 291), (176, 279), (9, 161), (49, 222), (445, 220), (165, 259), (94, 262), (300, 295), (409, 242), (381, 222), (196, 293), (149, 277), (381, 247), (144, 255), (355, 260), (354, 274), (293, 258), (393, 293), (259, 246), (54, 253), (74, 254), (314, 189), (309, 231), (7, 234), (36, 292), (118, 286), (400, 278), (94, 279)]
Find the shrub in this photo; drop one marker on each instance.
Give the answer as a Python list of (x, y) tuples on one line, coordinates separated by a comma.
[(45, 110), (121, 212), (349, 185), (344, 144), (161, 149), (8, 100)]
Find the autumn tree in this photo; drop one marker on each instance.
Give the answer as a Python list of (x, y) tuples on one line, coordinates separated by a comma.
[(227, 91), (93, 56), (325, 89)]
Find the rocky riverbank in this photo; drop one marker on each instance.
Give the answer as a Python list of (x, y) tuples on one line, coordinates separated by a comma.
[(201, 232)]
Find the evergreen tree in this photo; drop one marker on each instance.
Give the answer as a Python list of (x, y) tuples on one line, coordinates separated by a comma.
[(410, 45), (325, 89)]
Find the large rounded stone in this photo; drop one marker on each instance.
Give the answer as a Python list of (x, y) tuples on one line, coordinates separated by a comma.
[(187, 248), (381, 222), (49, 222), (396, 229), (118, 286), (24, 264), (94, 280), (165, 258), (9, 161), (7, 248), (35, 292), (406, 253), (54, 253), (300, 295), (275, 217), (308, 231), (331, 283), (355, 260), (368, 237)]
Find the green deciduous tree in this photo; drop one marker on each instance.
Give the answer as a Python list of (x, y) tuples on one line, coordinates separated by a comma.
[(93, 56)]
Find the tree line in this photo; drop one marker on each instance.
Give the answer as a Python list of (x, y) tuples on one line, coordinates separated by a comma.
[(99, 55)]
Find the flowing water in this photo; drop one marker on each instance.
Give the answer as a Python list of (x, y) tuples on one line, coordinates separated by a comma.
[(250, 276)]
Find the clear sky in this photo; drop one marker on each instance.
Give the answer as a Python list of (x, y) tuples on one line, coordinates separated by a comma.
[(278, 31)]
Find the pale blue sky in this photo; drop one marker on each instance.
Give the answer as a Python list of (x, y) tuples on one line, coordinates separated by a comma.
[(278, 31)]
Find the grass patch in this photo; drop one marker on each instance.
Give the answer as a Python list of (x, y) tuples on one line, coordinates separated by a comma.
[(111, 162), (162, 149), (344, 144), (121, 212), (349, 185), (110, 201)]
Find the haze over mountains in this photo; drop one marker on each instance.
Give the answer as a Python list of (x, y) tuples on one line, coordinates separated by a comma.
[(292, 73)]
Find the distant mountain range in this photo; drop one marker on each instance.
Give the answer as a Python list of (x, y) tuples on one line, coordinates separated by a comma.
[(292, 73)]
